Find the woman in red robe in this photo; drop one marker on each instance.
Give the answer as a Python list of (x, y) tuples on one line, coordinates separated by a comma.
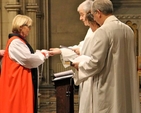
[(18, 80)]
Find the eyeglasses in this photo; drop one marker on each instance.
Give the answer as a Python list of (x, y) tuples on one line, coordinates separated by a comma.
[(26, 25)]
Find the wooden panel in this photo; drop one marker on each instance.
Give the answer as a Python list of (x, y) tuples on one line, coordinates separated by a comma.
[(64, 95)]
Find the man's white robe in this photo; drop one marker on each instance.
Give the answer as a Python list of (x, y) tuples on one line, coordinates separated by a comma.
[(109, 79)]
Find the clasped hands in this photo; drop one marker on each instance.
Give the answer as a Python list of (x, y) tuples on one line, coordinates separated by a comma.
[(51, 52)]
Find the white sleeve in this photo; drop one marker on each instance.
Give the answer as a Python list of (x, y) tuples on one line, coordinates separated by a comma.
[(66, 54), (19, 52)]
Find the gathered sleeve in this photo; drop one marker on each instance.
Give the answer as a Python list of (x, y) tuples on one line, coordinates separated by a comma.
[(20, 52), (67, 54)]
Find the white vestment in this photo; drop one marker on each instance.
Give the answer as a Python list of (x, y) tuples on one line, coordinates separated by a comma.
[(85, 88), (67, 54), (109, 79)]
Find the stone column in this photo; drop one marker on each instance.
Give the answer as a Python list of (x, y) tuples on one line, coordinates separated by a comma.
[(47, 73), (9, 11), (43, 38), (12, 8), (31, 9)]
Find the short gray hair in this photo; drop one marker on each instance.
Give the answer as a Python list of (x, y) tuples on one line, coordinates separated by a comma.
[(105, 6), (86, 5)]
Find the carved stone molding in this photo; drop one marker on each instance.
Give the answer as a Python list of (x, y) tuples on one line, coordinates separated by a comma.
[(126, 16), (39, 14), (13, 6), (32, 7), (127, 3)]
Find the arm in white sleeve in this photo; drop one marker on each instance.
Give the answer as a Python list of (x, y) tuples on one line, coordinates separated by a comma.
[(78, 46), (19, 52), (67, 54)]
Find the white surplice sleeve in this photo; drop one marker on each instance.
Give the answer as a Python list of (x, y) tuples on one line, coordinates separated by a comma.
[(66, 54), (69, 54), (19, 52)]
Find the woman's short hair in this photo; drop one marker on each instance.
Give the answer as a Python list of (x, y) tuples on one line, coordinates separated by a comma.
[(86, 5), (20, 20), (90, 17)]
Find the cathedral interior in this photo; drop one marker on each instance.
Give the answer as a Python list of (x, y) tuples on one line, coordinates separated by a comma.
[(55, 23)]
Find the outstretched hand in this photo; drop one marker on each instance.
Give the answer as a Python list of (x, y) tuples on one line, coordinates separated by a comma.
[(54, 51)]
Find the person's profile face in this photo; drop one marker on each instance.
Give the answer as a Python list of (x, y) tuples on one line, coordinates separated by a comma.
[(25, 30), (82, 14)]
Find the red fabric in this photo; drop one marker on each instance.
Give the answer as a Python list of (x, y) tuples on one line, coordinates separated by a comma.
[(16, 88)]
